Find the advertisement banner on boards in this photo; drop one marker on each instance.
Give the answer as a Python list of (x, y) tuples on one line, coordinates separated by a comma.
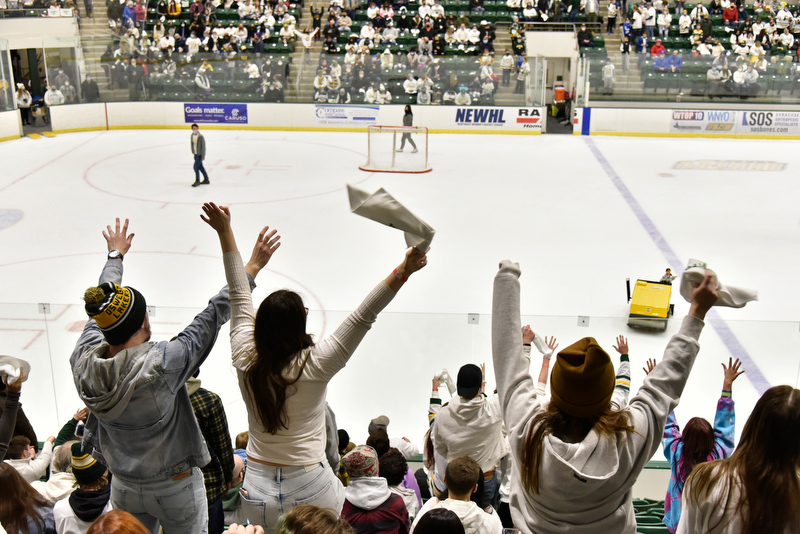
[(335, 115), (215, 113), (735, 122), (501, 118)]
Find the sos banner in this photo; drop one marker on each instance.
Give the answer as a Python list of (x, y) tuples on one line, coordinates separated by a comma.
[(736, 122)]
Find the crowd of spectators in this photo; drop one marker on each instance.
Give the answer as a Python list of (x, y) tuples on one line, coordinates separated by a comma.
[(738, 43), (405, 57), (159, 51), (512, 457)]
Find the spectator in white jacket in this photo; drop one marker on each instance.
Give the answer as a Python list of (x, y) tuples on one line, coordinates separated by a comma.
[(472, 425), (578, 457), (462, 476), (22, 457), (410, 85)]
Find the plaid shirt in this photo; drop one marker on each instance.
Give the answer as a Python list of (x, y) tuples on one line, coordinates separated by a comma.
[(214, 425)]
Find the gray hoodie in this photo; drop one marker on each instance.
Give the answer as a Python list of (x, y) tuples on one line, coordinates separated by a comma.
[(142, 423), (583, 487)]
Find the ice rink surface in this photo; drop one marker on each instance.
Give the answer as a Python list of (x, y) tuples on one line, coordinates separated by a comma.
[(579, 214)]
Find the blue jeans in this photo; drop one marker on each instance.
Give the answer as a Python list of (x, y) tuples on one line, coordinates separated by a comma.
[(490, 490), (179, 506), (271, 491), (198, 168)]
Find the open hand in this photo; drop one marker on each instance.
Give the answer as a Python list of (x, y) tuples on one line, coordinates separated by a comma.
[(622, 345), (651, 364), (732, 372), (217, 217), (551, 343), (266, 245), (118, 240), (81, 414)]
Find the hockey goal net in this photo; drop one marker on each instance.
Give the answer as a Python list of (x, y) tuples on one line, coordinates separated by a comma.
[(397, 149)]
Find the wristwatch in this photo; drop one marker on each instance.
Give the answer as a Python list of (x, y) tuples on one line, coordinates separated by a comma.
[(115, 255)]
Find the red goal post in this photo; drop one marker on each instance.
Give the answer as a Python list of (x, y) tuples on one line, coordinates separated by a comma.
[(384, 152)]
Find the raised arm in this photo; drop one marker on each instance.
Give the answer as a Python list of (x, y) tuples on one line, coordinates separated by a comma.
[(514, 383), (334, 351), (118, 242), (661, 391), (622, 384), (725, 418), (219, 218), (9, 416), (528, 337), (414, 261), (241, 302)]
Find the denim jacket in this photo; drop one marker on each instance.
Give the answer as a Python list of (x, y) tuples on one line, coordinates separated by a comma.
[(142, 423)]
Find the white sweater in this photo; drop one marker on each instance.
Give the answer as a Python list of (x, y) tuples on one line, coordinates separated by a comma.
[(475, 520), (584, 487), (34, 468), (471, 428), (303, 443)]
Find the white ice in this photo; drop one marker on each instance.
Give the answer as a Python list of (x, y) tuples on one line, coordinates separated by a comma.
[(544, 201)]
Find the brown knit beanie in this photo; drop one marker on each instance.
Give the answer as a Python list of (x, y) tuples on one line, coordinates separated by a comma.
[(583, 379)]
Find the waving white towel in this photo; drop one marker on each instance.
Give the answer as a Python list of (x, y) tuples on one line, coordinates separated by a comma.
[(11, 367), (733, 297), (382, 207)]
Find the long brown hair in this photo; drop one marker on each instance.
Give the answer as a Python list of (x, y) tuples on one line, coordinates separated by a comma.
[(570, 429), (698, 443), (19, 502), (763, 469), (280, 334)]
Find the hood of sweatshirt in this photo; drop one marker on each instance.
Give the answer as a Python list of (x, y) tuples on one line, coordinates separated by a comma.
[(472, 517), (88, 505), (464, 410), (367, 493), (58, 486), (580, 469), (107, 384), (192, 385)]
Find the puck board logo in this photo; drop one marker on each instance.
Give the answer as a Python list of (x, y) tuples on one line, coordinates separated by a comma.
[(346, 115), (481, 117), (688, 115), (528, 116), (215, 113)]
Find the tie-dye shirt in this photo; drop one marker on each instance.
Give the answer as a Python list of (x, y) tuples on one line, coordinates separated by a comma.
[(724, 424)]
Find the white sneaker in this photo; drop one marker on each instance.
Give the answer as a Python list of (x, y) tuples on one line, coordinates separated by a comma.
[(414, 150), (399, 150)]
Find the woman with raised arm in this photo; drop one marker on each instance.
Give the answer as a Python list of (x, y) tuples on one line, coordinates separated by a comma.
[(283, 376), (757, 489), (699, 442), (578, 456)]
